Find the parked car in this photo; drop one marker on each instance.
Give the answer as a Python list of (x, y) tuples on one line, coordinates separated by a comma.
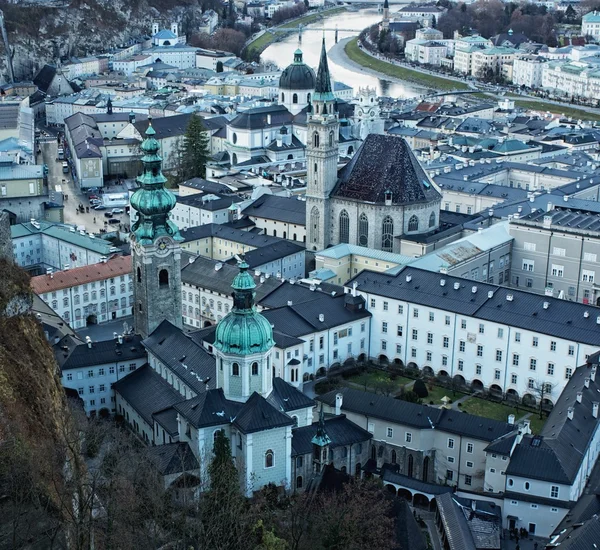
[(108, 214), (114, 221), (93, 197), (100, 207), (117, 210)]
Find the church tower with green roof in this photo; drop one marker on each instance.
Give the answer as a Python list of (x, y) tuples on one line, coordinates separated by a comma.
[(155, 248), (243, 344)]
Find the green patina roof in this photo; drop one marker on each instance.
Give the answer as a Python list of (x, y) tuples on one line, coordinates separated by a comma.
[(323, 90), (321, 438), (243, 331), (151, 200)]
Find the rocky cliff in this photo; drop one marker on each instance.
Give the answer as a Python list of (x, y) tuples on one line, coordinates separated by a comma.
[(43, 33)]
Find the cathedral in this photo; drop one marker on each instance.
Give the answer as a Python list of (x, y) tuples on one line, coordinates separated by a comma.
[(383, 192), (218, 378)]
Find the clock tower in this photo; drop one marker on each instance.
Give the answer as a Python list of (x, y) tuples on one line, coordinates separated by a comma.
[(154, 245)]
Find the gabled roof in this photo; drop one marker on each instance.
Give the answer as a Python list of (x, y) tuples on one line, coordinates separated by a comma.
[(208, 409), (147, 392), (341, 432), (262, 117), (581, 536), (272, 207), (172, 458), (556, 454), (44, 78), (72, 353), (167, 126), (382, 164), (288, 398), (257, 415), (188, 360), (418, 416)]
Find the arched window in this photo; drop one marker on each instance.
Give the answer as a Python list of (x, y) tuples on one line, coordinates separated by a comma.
[(413, 223), (255, 368), (387, 234), (426, 468), (290, 157), (65, 302), (344, 227), (295, 98), (282, 97), (410, 466), (330, 139), (380, 451), (308, 98), (344, 452), (234, 159), (216, 434), (54, 304), (363, 230), (235, 369), (163, 277), (139, 275), (295, 419), (373, 453), (269, 459), (315, 167), (394, 457), (432, 220), (102, 293), (299, 482), (315, 139), (234, 138), (315, 222)]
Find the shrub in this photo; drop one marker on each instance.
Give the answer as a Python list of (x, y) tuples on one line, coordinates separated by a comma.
[(420, 389)]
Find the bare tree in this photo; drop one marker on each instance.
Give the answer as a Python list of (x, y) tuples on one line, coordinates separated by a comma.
[(541, 389)]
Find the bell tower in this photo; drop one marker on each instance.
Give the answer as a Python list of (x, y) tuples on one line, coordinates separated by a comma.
[(322, 153), (155, 249)]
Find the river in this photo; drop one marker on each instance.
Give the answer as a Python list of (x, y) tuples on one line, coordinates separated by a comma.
[(282, 53)]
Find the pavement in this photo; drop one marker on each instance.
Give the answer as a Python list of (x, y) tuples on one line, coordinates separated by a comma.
[(92, 221)]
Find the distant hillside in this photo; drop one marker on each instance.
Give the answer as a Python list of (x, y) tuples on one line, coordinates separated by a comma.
[(42, 33)]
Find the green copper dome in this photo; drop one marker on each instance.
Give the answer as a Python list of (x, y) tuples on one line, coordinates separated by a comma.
[(151, 200), (243, 331)]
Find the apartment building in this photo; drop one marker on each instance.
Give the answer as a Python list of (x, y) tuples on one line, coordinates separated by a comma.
[(527, 70), (509, 341), (90, 294), (555, 253)]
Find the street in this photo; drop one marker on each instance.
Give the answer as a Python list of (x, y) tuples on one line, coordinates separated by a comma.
[(92, 221)]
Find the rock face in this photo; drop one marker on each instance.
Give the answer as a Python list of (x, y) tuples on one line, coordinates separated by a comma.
[(40, 34)]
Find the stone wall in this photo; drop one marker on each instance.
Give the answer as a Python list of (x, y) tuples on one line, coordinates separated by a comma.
[(5, 241)]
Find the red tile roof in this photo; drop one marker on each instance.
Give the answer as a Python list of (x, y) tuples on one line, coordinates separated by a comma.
[(113, 267)]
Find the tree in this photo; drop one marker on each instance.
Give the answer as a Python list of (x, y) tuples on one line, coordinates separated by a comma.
[(194, 151), (541, 389), (420, 388)]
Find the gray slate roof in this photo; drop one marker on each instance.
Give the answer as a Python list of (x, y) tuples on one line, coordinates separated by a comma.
[(147, 392), (562, 318), (167, 126), (288, 398), (188, 360), (556, 454), (172, 458), (341, 431), (284, 209), (580, 537), (71, 353), (454, 524), (208, 409), (385, 163), (257, 415), (418, 416)]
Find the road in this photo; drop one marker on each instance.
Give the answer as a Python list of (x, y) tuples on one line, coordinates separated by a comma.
[(92, 221)]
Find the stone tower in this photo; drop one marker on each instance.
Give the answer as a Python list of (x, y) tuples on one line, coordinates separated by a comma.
[(385, 24), (154, 246), (322, 154), (243, 344)]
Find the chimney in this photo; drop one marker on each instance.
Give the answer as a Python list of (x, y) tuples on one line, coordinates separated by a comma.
[(595, 406), (586, 382), (526, 426), (593, 374), (339, 398), (579, 396), (321, 318), (290, 303), (354, 285), (511, 419), (120, 338), (408, 278), (570, 412)]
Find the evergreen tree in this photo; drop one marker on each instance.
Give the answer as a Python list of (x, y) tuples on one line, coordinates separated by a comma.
[(195, 150)]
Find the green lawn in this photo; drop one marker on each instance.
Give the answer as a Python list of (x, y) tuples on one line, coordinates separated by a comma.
[(557, 109), (536, 423), (430, 81), (266, 39), (437, 392), (500, 411), (375, 378)]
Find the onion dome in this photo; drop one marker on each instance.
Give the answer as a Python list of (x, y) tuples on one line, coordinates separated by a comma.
[(151, 200), (243, 331), (298, 75)]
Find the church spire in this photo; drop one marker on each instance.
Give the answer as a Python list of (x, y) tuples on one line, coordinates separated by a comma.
[(151, 200), (321, 439), (323, 90)]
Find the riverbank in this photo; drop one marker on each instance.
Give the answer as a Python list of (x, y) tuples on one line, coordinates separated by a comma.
[(565, 109), (260, 44), (388, 70)]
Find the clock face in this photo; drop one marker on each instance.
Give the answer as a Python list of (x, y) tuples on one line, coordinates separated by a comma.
[(162, 245)]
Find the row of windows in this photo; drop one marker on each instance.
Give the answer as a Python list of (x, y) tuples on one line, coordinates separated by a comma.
[(101, 371)]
